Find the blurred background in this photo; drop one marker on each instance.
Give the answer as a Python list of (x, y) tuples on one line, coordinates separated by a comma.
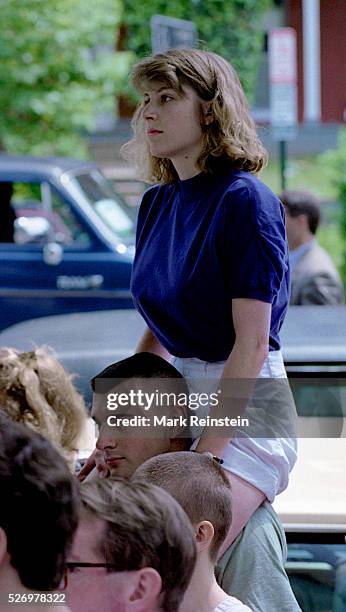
[(64, 85)]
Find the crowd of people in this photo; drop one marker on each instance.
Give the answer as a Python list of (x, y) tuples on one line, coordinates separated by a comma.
[(180, 521), (147, 527)]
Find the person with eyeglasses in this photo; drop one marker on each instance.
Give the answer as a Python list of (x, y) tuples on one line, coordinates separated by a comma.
[(134, 550), (261, 585), (38, 518)]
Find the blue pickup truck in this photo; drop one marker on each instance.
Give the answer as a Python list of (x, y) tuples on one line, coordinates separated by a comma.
[(66, 239)]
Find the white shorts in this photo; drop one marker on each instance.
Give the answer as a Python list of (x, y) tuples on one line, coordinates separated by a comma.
[(263, 462)]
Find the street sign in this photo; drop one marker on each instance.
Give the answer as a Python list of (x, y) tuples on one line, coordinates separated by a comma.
[(283, 83), (170, 33)]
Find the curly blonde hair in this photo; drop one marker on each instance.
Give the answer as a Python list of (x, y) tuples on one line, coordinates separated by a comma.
[(37, 391), (231, 137)]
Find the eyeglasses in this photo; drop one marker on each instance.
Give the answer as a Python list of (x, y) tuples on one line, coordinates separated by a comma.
[(71, 566)]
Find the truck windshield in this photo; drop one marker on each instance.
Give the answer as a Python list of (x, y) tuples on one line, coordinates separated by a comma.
[(106, 202)]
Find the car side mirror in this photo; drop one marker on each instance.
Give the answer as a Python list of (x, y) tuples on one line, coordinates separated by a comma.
[(52, 253)]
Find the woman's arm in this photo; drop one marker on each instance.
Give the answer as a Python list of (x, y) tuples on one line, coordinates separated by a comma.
[(149, 343), (251, 320)]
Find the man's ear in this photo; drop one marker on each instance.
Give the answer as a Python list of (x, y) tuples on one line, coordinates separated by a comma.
[(3, 545), (146, 589), (204, 534), (303, 221)]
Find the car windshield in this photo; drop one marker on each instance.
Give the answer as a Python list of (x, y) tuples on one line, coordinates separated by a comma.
[(106, 202)]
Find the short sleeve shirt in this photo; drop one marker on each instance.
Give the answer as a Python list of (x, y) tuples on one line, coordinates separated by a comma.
[(200, 244), (231, 604)]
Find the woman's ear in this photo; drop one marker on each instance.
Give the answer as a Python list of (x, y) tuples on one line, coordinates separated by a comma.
[(204, 534), (146, 585), (208, 116)]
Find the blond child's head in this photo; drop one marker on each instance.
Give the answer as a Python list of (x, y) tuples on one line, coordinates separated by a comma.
[(37, 391)]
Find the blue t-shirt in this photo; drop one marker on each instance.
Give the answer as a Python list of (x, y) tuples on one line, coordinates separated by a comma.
[(202, 242)]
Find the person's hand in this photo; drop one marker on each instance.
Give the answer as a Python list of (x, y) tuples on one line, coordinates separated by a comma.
[(87, 467), (102, 468), (96, 460)]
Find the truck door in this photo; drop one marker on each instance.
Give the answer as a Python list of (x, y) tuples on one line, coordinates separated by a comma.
[(50, 261)]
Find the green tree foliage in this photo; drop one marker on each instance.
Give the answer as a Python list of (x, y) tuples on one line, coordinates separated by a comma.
[(57, 71), (228, 27), (334, 161)]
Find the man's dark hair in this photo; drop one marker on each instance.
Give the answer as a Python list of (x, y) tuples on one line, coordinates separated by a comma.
[(145, 365), (39, 505), (200, 486), (140, 365), (302, 203), (145, 527)]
